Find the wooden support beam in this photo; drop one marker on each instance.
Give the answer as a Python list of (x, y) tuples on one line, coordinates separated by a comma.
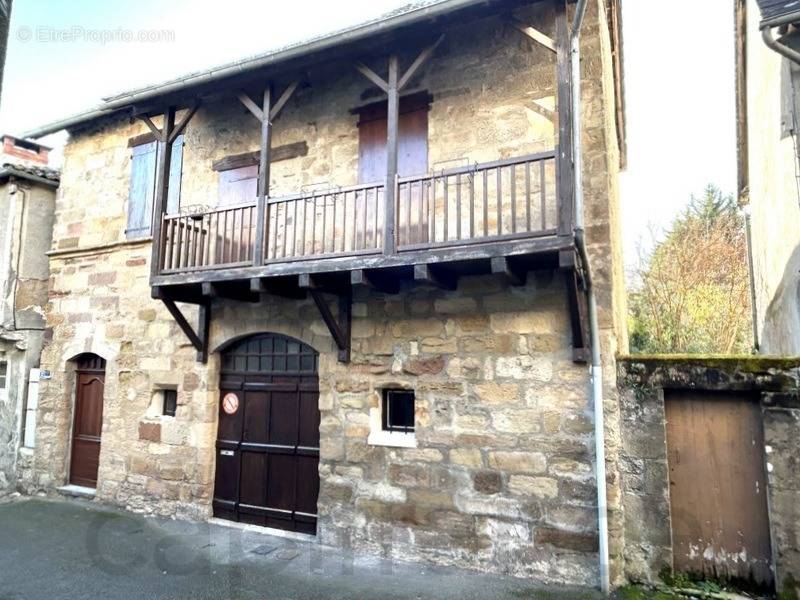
[(375, 281), (421, 59), (502, 266), (345, 302), (340, 330), (274, 287), (564, 159), (250, 105), (306, 281), (178, 129), (577, 305), (162, 188), (263, 179), (204, 325), (251, 159), (372, 76), (208, 289), (198, 339), (536, 35), (282, 100), (436, 276), (392, 126), (151, 126)]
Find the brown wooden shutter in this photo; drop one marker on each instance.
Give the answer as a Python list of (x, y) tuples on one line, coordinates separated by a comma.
[(412, 142)]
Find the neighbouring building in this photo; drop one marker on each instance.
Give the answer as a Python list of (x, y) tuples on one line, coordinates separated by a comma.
[(768, 126), (27, 205), (708, 469), (336, 289)]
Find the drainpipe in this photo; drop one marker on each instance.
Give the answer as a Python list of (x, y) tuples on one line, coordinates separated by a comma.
[(748, 231), (783, 50), (594, 335)]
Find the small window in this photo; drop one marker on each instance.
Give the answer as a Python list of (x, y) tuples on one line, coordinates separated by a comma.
[(3, 374), (398, 410), (170, 402)]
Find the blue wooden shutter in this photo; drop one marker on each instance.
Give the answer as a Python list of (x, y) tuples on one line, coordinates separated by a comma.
[(175, 168), (142, 187)]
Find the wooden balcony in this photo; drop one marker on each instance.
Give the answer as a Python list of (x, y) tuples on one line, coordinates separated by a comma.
[(473, 213), (505, 217)]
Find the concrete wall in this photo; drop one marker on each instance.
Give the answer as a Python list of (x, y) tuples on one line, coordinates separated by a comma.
[(643, 458), (502, 479), (26, 224), (774, 197)]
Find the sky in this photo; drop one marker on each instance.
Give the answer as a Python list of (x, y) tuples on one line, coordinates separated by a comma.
[(64, 57)]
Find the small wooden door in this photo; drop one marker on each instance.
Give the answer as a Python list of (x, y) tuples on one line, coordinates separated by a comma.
[(88, 422), (268, 437), (718, 493)]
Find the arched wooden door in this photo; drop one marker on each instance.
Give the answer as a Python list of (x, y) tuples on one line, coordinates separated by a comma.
[(268, 435), (90, 374)]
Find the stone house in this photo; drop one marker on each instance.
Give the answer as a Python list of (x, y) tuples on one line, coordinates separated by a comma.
[(336, 289), (768, 126), (27, 204)]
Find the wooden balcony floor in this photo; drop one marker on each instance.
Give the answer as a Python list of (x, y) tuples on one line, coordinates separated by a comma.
[(292, 278)]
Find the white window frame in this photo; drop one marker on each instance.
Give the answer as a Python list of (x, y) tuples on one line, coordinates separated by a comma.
[(378, 436)]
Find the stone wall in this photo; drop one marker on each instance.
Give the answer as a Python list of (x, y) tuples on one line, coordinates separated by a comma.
[(643, 458), (26, 223), (502, 479)]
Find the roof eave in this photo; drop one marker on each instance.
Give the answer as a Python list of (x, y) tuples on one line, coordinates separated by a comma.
[(784, 19), (6, 173), (320, 44)]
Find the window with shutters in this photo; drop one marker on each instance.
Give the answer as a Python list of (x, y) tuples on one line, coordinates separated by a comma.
[(143, 184), (3, 374), (412, 138)]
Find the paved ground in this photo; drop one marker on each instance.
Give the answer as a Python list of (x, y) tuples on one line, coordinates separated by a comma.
[(53, 549)]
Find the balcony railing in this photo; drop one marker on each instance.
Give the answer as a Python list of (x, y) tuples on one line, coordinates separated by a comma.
[(490, 202)]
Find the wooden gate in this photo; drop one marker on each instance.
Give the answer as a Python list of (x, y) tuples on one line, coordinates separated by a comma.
[(268, 436), (88, 420), (718, 492)]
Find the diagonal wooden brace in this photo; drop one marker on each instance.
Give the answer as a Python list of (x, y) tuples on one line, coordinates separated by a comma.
[(340, 330), (576, 301), (199, 338)]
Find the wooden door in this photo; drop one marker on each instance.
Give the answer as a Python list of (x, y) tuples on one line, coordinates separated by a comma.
[(268, 435), (718, 493), (88, 420)]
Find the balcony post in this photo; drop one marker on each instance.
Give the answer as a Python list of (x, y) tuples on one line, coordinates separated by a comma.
[(162, 188), (392, 120), (262, 228), (564, 159)]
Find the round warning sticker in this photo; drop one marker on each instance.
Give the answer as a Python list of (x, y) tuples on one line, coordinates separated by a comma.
[(230, 403)]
